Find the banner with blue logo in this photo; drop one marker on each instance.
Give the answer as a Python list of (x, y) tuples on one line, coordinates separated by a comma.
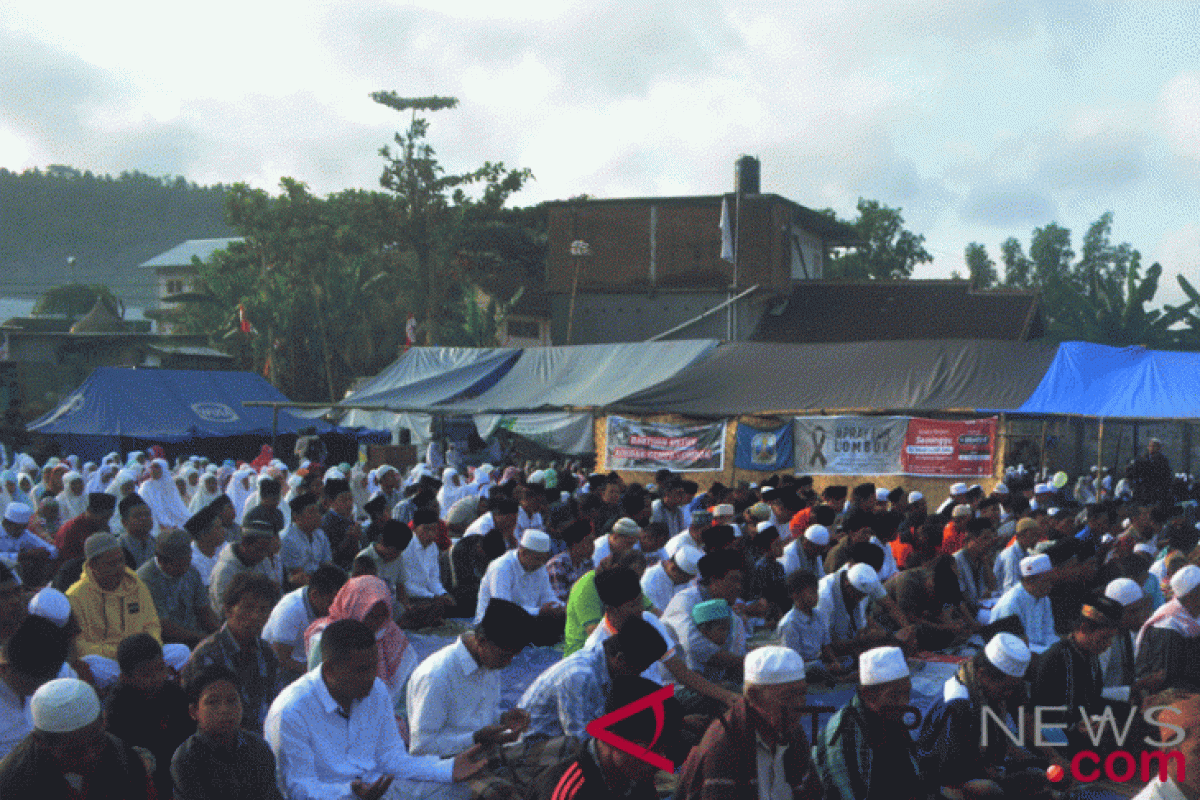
[(765, 450)]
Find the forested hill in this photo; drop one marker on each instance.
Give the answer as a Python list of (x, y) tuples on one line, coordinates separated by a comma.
[(110, 225)]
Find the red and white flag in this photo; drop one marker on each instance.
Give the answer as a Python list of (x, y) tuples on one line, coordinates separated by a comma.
[(243, 322)]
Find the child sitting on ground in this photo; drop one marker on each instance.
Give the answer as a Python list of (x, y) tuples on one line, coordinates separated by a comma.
[(806, 630), (221, 760)]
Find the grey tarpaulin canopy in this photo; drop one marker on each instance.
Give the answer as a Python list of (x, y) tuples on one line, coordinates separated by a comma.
[(912, 376), (510, 388)]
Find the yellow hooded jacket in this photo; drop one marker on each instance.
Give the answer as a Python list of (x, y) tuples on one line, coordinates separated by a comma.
[(108, 617)]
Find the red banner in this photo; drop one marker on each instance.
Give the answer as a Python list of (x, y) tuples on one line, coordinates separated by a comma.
[(948, 447)]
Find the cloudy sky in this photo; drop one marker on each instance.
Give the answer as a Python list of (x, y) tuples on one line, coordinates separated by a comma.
[(981, 120)]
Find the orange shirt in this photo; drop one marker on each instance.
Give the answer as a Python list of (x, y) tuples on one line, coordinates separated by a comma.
[(799, 524), (900, 551), (952, 540)]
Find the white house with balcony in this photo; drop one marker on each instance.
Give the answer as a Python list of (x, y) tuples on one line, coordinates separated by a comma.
[(176, 274)]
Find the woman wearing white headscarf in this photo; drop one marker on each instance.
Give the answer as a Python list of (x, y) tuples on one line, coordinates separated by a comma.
[(452, 490), (72, 500), (239, 489), (482, 484), (100, 479), (359, 487), (206, 492), (162, 495), (191, 482), (127, 477)]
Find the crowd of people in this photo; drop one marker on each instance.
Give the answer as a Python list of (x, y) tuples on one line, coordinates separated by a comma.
[(226, 631)]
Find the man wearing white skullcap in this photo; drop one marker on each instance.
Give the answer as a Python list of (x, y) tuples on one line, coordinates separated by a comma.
[(866, 749), (665, 579), (807, 552), (843, 598), (623, 535), (15, 536), (1167, 640), (1029, 601), (766, 721), (520, 576), (949, 749), (1117, 662), (69, 750), (958, 496)]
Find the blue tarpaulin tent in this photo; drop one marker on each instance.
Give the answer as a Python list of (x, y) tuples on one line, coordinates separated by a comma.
[(1092, 380), (185, 411)]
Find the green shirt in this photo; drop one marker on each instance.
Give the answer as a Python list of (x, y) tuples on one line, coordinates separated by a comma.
[(584, 610)]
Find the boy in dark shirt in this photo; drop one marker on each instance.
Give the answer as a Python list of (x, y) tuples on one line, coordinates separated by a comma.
[(147, 710), (221, 761)]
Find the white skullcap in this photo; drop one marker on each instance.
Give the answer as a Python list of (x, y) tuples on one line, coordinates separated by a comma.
[(18, 513), (864, 578), (673, 546), (1008, 654), (963, 510), (882, 665), (1033, 505), (881, 495), (959, 488), (334, 474), (1035, 565), (1107, 538), (723, 510), (384, 470), (1185, 580), (1124, 591), (626, 527), (1145, 547), (538, 541), (915, 497), (64, 705), (1043, 488), (537, 477), (764, 525), (487, 469), (1000, 489), (768, 666), (687, 558), (817, 534), (51, 604)]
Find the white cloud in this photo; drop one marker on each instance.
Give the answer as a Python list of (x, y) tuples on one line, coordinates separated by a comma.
[(1179, 114)]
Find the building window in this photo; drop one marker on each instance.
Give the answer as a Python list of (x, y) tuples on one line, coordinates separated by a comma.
[(522, 329), (174, 287)]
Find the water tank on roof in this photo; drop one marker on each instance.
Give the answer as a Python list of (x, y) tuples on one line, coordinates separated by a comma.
[(746, 172)]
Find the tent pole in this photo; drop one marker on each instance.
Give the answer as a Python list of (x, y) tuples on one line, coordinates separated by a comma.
[(1042, 448), (1186, 440), (274, 428), (1100, 446)]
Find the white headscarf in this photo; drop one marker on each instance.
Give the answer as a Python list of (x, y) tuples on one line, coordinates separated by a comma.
[(100, 478), (203, 496), (359, 487), (162, 495), (127, 475), (71, 505), (238, 492), (451, 493)]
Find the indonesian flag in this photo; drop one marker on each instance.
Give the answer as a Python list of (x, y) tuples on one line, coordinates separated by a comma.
[(726, 233), (243, 322)]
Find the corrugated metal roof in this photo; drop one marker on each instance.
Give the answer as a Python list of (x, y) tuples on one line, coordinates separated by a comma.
[(184, 350), (181, 254)]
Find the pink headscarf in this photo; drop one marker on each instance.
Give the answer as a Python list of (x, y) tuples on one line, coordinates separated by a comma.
[(354, 601)]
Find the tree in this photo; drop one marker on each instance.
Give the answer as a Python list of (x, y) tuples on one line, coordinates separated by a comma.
[(434, 215), (980, 267), (72, 300), (1102, 297), (888, 252)]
